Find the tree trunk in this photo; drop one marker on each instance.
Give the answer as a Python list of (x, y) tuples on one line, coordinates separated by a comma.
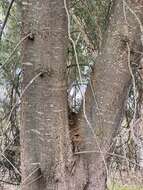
[(48, 140), (44, 129), (102, 113), (138, 124)]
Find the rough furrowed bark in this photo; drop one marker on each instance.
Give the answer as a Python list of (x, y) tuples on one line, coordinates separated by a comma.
[(101, 116)]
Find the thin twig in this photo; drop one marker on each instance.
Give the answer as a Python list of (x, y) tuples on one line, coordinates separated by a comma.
[(23, 92), (111, 154), (11, 163), (6, 18), (18, 103), (12, 53), (80, 78), (71, 40), (33, 172), (135, 15), (131, 73), (8, 182)]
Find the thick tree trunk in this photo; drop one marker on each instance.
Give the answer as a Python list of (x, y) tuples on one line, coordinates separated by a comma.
[(48, 162), (99, 123), (44, 129)]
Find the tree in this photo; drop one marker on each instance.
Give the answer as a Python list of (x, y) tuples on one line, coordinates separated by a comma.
[(62, 150)]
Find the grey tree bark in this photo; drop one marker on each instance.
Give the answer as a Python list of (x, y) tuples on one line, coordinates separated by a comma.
[(44, 128), (98, 124), (48, 139)]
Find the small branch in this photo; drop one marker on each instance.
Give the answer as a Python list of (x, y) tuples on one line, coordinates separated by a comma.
[(80, 65), (6, 18), (71, 39), (80, 79), (10, 183), (109, 153), (135, 15), (14, 50), (10, 163), (23, 92), (133, 121)]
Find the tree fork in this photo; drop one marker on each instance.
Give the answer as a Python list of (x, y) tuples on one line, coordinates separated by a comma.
[(48, 162), (110, 81)]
